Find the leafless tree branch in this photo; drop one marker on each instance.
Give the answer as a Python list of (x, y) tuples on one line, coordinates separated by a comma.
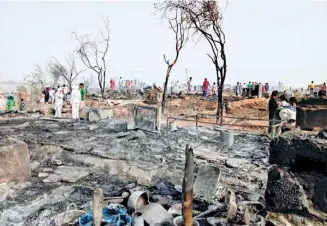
[(178, 24), (70, 74), (93, 52), (36, 80), (204, 19)]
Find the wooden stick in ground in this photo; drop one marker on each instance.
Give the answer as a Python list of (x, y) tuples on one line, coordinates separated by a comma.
[(188, 187), (97, 206)]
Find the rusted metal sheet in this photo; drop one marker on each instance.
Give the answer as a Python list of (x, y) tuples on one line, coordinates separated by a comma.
[(311, 113)]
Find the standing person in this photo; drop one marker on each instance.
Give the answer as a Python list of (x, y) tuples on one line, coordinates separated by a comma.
[(83, 95), (263, 89), (112, 84), (272, 107), (51, 95), (214, 89), (253, 89), (322, 94), (249, 88), (46, 94), (10, 103), (22, 105), (267, 87), (238, 89), (59, 102), (324, 86), (65, 92), (311, 87), (205, 87), (120, 83), (189, 85), (241, 89), (75, 100)]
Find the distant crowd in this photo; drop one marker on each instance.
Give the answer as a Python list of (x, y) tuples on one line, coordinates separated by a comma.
[(75, 95)]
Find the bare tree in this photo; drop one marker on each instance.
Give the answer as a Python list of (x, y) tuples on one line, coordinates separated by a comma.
[(178, 24), (205, 19), (36, 80), (93, 53), (69, 73)]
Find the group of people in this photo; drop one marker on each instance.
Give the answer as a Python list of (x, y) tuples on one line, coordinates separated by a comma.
[(50, 93), (123, 84), (205, 88), (76, 96), (10, 103), (312, 87), (250, 88), (281, 110)]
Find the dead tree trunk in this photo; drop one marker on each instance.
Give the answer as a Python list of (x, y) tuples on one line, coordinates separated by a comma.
[(178, 24), (163, 102), (205, 18)]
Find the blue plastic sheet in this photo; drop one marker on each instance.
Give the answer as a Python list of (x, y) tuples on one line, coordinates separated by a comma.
[(111, 216)]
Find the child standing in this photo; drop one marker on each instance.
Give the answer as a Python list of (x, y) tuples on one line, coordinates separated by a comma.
[(22, 105)]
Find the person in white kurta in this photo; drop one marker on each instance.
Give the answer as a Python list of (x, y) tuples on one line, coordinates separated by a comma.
[(59, 99), (75, 101)]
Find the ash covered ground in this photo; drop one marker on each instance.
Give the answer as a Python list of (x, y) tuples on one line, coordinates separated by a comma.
[(69, 159)]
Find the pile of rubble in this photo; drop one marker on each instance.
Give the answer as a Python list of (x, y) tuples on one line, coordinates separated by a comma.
[(297, 182), (69, 159)]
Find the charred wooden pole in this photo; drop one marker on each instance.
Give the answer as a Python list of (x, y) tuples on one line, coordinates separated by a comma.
[(188, 187), (97, 206)]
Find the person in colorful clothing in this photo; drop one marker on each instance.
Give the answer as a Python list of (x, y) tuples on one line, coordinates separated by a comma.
[(22, 105), (205, 87), (112, 84), (83, 95), (10, 103)]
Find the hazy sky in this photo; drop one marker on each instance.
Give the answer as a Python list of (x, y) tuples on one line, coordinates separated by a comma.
[(266, 40)]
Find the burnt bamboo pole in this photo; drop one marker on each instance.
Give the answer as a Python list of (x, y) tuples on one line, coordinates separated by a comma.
[(188, 187), (97, 206)]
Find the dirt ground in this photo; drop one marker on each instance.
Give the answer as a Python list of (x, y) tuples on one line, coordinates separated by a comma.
[(248, 108)]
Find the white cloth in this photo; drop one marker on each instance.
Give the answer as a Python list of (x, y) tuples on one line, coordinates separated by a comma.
[(52, 96), (75, 100), (59, 102), (284, 103), (287, 114)]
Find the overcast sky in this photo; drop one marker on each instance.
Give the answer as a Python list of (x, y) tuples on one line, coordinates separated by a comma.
[(265, 40)]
